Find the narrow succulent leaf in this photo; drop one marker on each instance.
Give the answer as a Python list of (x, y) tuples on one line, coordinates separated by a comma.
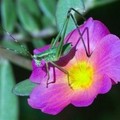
[(48, 9), (24, 88), (8, 101), (8, 14), (28, 21), (32, 7), (62, 10)]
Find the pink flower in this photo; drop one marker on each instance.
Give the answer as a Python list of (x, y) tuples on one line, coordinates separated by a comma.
[(88, 76)]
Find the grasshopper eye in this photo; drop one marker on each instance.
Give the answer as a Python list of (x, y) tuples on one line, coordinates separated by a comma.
[(34, 56)]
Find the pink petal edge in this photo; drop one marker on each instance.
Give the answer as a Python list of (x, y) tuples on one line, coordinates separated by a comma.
[(50, 100)]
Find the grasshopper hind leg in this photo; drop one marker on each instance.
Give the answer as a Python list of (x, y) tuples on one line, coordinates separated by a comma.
[(64, 71), (54, 80)]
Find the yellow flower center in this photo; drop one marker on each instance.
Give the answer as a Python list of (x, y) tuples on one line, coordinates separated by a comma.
[(81, 75)]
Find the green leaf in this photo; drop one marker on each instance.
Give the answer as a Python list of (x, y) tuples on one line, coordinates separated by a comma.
[(31, 7), (14, 46), (46, 22), (28, 21), (24, 88), (8, 101), (37, 42), (48, 8), (8, 14), (62, 10)]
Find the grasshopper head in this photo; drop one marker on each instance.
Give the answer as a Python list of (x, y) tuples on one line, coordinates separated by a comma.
[(37, 60)]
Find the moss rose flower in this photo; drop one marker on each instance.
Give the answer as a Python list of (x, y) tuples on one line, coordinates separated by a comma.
[(88, 76)]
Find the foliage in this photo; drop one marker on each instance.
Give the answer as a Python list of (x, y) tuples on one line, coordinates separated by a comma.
[(33, 23)]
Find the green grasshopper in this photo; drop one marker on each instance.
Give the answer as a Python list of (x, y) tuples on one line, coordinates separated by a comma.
[(54, 53), (57, 48)]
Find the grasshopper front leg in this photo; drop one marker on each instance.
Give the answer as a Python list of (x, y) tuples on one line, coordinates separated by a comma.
[(48, 74)]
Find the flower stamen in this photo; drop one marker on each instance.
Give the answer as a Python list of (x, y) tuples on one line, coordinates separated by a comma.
[(81, 75)]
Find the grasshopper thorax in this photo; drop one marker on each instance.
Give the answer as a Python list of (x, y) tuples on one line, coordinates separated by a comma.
[(48, 55)]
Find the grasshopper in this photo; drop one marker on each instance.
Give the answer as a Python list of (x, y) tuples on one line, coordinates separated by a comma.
[(57, 47)]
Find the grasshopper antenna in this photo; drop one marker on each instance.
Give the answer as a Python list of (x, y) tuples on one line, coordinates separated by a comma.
[(22, 46)]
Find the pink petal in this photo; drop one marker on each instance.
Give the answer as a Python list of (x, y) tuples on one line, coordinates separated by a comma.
[(83, 99), (50, 100), (42, 49), (114, 74), (106, 84), (97, 30), (106, 57), (85, 96), (38, 75)]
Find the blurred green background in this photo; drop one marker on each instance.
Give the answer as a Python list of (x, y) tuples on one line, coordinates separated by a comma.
[(33, 23)]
